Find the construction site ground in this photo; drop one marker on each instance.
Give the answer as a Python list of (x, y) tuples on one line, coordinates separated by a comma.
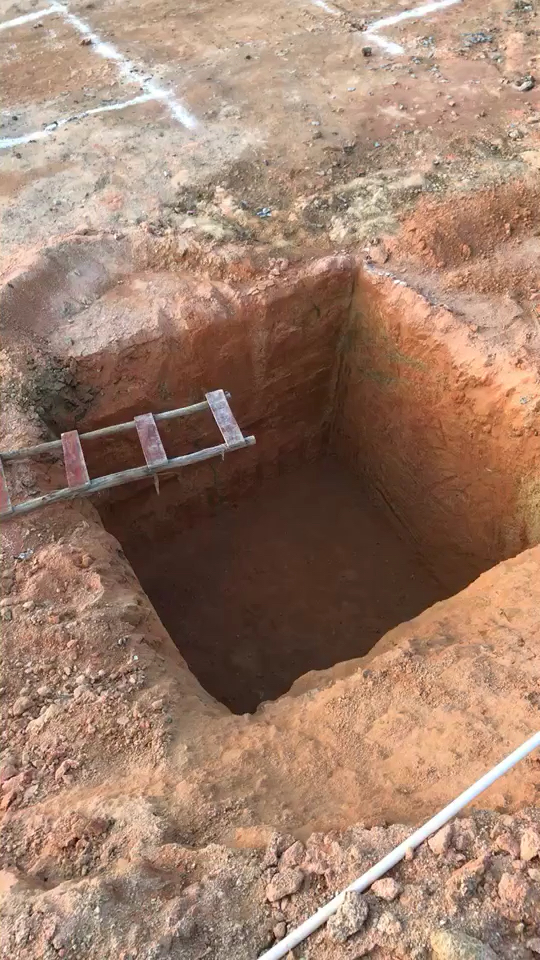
[(222, 704)]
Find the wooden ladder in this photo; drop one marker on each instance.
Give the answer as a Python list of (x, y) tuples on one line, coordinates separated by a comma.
[(146, 425)]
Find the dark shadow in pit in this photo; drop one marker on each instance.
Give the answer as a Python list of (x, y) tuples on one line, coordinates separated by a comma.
[(304, 573)]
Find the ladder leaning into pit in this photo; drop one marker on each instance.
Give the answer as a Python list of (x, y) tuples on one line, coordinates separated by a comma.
[(79, 483)]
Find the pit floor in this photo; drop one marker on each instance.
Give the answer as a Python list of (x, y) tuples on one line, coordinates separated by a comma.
[(304, 574)]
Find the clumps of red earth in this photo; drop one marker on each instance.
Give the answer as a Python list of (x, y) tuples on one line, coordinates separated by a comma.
[(445, 234), (472, 892)]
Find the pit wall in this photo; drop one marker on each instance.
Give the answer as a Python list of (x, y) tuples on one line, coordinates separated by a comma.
[(328, 354), (271, 343), (443, 428)]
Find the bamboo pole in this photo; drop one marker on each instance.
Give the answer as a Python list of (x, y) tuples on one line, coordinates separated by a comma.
[(124, 476), (104, 431)]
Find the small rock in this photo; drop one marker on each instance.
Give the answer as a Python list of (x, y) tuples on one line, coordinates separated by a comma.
[(349, 918), (454, 945), (386, 889), (284, 884), (8, 799), (30, 792), (530, 844), (508, 844), (520, 898), (157, 704), (18, 781), (441, 841), (63, 769), (379, 254), (524, 84), (7, 771), (389, 926), (464, 835), (36, 726), (21, 705), (534, 944), (464, 882), (293, 855), (279, 930), (43, 691), (366, 51), (276, 846)]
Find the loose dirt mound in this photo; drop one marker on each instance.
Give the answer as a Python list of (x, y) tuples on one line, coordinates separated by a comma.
[(447, 233), (471, 891)]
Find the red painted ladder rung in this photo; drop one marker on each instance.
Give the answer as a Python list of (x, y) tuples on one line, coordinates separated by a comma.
[(153, 449), (224, 417), (74, 462), (5, 501)]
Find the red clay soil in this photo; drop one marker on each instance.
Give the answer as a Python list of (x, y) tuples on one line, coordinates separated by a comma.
[(145, 263), (125, 783), (303, 574)]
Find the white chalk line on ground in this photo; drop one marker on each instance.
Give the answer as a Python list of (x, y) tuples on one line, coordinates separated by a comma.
[(372, 33), (6, 142), (327, 7), (395, 49), (127, 71), (27, 18), (422, 11)]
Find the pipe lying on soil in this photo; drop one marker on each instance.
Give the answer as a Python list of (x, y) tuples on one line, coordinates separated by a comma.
[(374, 873)]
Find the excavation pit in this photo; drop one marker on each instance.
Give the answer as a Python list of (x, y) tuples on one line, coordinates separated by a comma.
[(395, 457), (303, 573)]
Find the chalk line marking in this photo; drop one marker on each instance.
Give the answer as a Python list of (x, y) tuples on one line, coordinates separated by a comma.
[(372, 35), (422, 11), (127, 70), (6, 142), (387, 45), (28, 17), (327, 7)]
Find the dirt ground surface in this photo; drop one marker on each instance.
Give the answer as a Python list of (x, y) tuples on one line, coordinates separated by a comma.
[(339, 221)]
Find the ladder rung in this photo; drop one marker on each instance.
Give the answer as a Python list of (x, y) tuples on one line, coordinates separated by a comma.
[(5, 501), (76, 470), (223, 415), (74, 462), (153, 449)]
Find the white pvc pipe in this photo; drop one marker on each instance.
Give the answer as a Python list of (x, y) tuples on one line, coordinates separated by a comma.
[(362, 883)]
